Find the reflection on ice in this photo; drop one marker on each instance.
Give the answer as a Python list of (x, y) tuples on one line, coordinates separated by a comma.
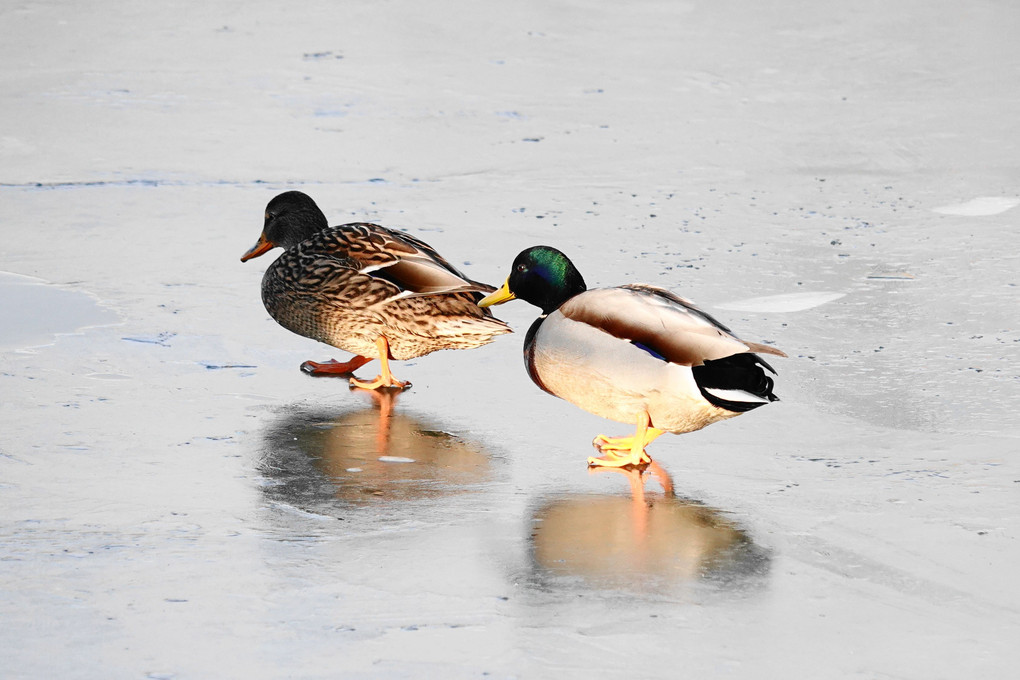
[(314, 457), (645, 541)]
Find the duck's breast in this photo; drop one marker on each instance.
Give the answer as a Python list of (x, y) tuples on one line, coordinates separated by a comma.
[(312, 296), (614, 378)]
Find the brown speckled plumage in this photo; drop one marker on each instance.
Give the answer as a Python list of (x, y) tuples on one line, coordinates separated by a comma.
[(348, 285)]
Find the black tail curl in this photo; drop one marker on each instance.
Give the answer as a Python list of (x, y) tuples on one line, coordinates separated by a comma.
[(737, 372)]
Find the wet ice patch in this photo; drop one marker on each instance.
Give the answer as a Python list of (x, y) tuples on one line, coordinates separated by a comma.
[(980, 206), (33, 311), (789, 302), (891, 272), (395, 459)]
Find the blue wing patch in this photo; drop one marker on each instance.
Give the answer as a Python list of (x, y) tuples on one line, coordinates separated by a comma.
[(648, 349)]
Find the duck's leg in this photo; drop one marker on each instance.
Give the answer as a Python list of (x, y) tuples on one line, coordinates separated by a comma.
[(334, 367), (624, 451), (384, 399), (385, 378), (665, 481)]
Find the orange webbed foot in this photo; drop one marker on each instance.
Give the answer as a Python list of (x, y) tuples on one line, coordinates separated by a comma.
[(380, 382), (334, 367), (384, 379), (612, 459), (626, 451)]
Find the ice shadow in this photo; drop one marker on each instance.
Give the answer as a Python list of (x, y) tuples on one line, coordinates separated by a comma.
[(328, 462), (646, 541)]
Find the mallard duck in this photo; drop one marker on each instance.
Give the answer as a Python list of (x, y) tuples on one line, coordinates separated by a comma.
[(635, 354), (366, 289)]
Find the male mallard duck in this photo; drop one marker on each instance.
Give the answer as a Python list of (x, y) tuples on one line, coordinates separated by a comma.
[(634, 353), (366, 289)]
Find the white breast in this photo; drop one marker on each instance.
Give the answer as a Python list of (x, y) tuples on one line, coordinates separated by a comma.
[(615, 379)]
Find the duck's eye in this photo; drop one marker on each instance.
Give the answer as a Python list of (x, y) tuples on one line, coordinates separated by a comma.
[(521, 268)]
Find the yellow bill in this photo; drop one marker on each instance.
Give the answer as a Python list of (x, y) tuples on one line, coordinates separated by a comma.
[(499, 297)]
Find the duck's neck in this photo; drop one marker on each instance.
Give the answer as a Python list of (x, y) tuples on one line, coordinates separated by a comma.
[(308, 224), (550, 303), (529, 353)]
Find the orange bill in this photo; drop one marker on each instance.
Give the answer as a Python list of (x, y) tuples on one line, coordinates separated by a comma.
[(259, 248)]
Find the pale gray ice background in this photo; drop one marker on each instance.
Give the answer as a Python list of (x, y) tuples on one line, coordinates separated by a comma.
[(178, 501)]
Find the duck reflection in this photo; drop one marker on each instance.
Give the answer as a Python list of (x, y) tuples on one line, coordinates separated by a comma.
[(646, 540), (312, 457)]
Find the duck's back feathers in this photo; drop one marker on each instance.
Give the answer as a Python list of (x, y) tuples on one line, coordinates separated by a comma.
[(670, 298), (414, 267), (659, 322)]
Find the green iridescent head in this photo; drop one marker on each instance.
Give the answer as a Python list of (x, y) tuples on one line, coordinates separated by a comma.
[(541, 275)]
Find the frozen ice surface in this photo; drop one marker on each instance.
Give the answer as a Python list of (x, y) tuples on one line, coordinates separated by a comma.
[(180, 501), (789, 302), (983, 205)]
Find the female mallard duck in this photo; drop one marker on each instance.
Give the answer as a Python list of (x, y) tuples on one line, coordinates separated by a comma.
[(634, 353), (365, 289)]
